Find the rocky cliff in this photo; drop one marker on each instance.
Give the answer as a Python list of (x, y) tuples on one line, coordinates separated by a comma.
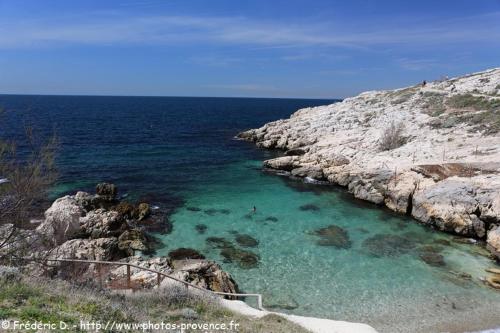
[(431, 151)]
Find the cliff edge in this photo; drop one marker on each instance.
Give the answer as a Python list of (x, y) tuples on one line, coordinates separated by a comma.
[(431, 151)]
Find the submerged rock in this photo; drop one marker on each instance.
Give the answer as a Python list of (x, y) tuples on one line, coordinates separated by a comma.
[(244, 259), (433, 259), (271, 219), (201, 228), (193, 209), (185, 253), (383, 245), (442, 241), (246, 240), (309, 207), (333, 235), (213, 211), (219, 242)]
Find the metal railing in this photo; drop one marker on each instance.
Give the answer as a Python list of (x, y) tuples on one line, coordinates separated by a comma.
[(100, 263)]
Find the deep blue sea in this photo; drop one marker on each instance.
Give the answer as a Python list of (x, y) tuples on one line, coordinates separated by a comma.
[(178, 153)]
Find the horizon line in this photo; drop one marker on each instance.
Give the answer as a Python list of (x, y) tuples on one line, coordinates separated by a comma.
[(168, 96)]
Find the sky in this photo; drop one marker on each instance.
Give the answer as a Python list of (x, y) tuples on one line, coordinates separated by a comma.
[(257, 48)]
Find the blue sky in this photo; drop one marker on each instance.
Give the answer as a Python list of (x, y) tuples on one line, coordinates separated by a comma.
[(272, 48)]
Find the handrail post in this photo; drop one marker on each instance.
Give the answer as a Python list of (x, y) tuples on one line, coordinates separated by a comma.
[(158, 276), (99, 274), (128, 277)]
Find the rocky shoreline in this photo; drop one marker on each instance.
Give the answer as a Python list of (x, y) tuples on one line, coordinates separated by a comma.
[(429, 151), (101, 227)]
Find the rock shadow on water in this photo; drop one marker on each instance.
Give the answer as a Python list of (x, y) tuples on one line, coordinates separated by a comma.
[(387, 245), (246, 240), (333, 235), (309, 207)]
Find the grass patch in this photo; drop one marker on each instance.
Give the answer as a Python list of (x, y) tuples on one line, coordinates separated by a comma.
[(402, 96), (433, 103), (51, 301), (477, 103)]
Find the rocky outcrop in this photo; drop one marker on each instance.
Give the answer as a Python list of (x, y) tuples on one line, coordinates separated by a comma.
[(62, 220), (105, 249), (204, 274), (98, 227), (441, 166)]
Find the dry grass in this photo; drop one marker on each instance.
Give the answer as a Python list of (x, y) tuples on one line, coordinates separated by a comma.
[(478, 103), (54, 300), (393, 136), (402, 95)]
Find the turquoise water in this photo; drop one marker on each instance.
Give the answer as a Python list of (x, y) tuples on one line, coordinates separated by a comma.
[(394, 293)]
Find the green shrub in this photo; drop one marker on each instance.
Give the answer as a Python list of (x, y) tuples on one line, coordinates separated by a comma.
[(478, 103)]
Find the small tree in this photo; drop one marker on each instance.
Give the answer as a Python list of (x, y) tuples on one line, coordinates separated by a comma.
[(393, 136), (26, 175)]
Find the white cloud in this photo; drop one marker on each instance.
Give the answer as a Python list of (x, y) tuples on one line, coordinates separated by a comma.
[(417, 64), (245, 87), (119, 29)]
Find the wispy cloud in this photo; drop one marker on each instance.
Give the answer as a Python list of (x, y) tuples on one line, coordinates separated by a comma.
[(417, 64), (214, 60), (119, 29), (245, 87)]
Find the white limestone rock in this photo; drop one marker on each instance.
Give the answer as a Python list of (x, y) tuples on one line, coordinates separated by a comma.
[(62, 220)]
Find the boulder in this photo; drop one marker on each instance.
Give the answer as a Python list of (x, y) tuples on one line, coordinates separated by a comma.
[(131, 241), (286, 163), (310, 171), (125, 210), (370, 185), (453, 205), (139, 277), (106, 190), (101, 223), (105, 249), (62, 220), (203, 273), (493, 241), (143, 210)]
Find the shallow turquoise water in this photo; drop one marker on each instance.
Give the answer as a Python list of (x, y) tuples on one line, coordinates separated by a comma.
[(343, 284)]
